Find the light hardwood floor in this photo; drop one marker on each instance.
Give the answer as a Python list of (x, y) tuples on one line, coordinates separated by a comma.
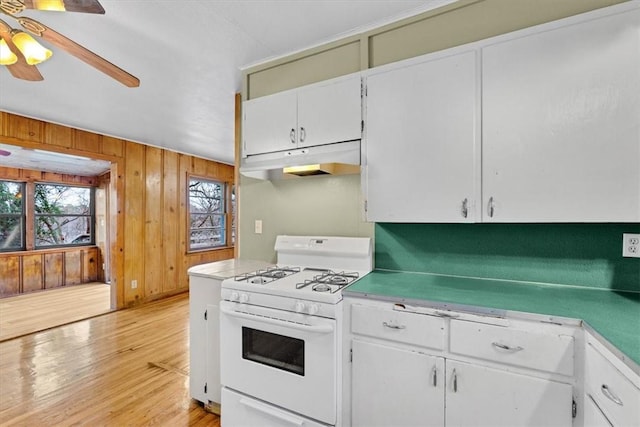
[(37, 311), (125, 368)]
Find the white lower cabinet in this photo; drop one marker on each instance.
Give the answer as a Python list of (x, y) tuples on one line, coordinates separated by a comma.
[(404, 369), (396, 387), (478, 395)]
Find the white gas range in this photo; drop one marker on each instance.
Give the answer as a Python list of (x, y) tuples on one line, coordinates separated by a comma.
[(280, 333)]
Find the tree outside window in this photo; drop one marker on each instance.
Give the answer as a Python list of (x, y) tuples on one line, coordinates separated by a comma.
[(207, 214), (11, 216)]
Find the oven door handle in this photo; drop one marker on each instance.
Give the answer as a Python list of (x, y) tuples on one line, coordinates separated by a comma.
[(268, 410), (321, 329)]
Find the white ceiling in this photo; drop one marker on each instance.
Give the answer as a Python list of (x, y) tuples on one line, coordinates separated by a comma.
[(187, 55)]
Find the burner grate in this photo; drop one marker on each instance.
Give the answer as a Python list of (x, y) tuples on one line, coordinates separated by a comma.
[(329, 281), (268, 275)]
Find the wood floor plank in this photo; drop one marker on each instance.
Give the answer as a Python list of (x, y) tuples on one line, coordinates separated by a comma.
[(38, 311), (123, 368)]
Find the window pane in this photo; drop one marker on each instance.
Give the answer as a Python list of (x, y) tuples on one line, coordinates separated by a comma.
[(11, 216), (206, 214), (62, 230), (62, 199), (11, 197), (10, 233)]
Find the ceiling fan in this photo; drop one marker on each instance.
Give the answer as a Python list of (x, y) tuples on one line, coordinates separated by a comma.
[(25, 69)]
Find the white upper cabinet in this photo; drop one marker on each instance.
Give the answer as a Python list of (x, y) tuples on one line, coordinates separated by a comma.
[(313, 115), (561, 124), (422, 128)]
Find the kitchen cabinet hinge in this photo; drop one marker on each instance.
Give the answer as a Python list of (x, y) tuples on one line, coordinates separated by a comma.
[(362, 126), (574, 409), (351, 355), (365, 206), (205, 315), (205, 388)]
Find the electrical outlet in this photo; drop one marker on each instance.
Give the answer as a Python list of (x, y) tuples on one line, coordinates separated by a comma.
[(258, 226), (631, 245), (134, 284)]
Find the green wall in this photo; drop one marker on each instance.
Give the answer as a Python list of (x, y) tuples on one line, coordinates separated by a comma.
[(569, 254)]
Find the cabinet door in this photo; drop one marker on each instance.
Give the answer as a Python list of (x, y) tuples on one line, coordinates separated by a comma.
[(421, 133), (199, 296), (270, 123), (395, 387), (330, 113), (561, 124), (477, 395), (593, 416)]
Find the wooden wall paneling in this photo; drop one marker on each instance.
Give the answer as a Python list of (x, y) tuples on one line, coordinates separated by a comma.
[(171, 219), (199, 166), (185, 168), (112, 146), (24, 128), (53, 270), (87, 141), (116, 233), (153, 238), (32, 273), (89, 259), (9, 275), (9, 173), (60, 136), (134, 217), (31, 175), (72, 268)]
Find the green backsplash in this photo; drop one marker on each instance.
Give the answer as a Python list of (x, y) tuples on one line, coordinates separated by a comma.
[(571, 254)]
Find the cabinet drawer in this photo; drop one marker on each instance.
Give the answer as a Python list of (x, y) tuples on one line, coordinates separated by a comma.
[(410, 328), (618, 398), (545, 352)]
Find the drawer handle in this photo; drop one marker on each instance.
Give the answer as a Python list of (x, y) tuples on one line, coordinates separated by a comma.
[(506, 347), (434, 377), (610, 395), (389, 325)]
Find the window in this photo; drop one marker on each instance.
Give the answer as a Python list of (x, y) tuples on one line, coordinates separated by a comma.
[(207, 214), (63, 215), (12, 219)]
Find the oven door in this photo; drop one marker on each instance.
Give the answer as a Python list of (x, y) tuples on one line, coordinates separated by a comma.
[(287, 359)]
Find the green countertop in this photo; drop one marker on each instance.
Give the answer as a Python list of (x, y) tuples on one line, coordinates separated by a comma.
[(613, 315)]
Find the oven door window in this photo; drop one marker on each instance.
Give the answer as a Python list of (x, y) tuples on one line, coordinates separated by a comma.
[(274, 350)]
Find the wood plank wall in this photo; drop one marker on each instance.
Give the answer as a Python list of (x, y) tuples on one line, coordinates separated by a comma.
[(148, 206)]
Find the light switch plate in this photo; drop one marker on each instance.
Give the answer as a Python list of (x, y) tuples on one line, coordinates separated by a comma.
[(631, 245), (258, 226)]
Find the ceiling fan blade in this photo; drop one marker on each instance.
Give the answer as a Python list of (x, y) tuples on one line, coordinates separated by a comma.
[(84, 6), (78, 51), (20, 70)]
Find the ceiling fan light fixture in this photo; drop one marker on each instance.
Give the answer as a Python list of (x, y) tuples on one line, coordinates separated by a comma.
[(57, 5), (6, 56), (33, 52)]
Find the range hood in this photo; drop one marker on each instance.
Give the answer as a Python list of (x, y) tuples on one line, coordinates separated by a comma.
[(338, 158)]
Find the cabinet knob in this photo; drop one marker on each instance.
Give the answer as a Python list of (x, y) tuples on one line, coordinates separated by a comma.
[(303, 134), (455, 381), (434, 376), (292, 136)]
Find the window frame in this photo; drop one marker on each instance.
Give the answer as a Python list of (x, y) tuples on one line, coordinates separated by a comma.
[(225, 214), (91, 215)]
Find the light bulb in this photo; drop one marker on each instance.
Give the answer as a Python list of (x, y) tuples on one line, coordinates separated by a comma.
[(6, 56), (50, 5), (33, 51)]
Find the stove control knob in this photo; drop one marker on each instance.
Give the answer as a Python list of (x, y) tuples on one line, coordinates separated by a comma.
[(244, 298), (299, 307), (313, 308), (235, 296)]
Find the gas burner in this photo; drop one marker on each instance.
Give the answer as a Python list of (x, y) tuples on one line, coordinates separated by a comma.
[(261, 277), (329, 281)]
